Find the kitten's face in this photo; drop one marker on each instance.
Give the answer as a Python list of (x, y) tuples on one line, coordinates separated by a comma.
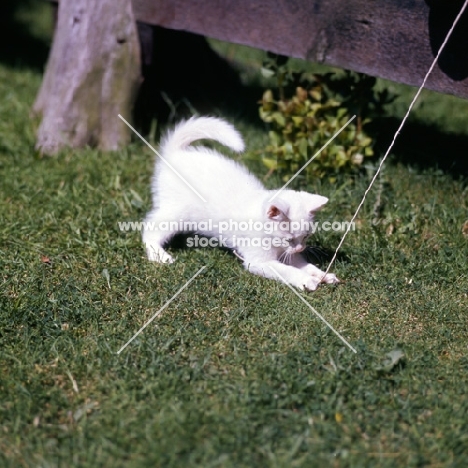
[(297, 242), (294, 212)]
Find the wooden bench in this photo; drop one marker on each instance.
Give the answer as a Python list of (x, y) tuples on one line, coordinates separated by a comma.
[(393, 39)]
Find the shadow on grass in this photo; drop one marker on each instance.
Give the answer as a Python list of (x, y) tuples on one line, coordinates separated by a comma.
[(321, 256), (18, 45), (423, 146), (316, 254), (182, 75)]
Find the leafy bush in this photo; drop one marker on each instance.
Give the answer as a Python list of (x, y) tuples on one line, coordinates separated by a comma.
[(314, 111)]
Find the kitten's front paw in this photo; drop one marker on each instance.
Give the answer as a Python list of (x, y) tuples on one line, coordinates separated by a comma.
[(330, 278), (310, 284), (158, 255), (317, 274)]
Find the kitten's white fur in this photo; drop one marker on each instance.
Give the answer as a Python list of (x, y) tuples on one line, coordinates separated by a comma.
[(231, 193)]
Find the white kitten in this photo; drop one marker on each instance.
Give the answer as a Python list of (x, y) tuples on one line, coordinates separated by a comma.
[(196, 185)]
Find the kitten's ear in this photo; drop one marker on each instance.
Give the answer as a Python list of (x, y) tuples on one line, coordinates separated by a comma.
[(275, 213), (317, 203)]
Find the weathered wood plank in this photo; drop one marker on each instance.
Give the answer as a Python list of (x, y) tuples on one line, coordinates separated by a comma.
[(393, 39)]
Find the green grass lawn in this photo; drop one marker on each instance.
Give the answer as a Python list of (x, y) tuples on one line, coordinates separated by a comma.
[(236, 372)]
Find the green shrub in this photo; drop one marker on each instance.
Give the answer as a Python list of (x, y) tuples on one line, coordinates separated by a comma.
[(305, 116)]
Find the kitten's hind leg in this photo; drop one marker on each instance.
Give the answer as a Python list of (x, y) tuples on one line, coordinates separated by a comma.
[(300, 262), (154, 238)]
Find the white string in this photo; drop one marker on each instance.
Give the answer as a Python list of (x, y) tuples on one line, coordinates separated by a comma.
[(396, 135)]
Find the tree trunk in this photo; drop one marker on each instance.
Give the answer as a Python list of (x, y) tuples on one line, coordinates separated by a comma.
[(92, 75)]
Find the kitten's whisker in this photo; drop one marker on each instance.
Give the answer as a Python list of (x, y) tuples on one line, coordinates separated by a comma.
[(287, 257), (282, 257)]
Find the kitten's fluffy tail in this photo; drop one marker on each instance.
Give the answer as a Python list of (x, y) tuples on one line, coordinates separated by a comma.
[(198, 128)]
